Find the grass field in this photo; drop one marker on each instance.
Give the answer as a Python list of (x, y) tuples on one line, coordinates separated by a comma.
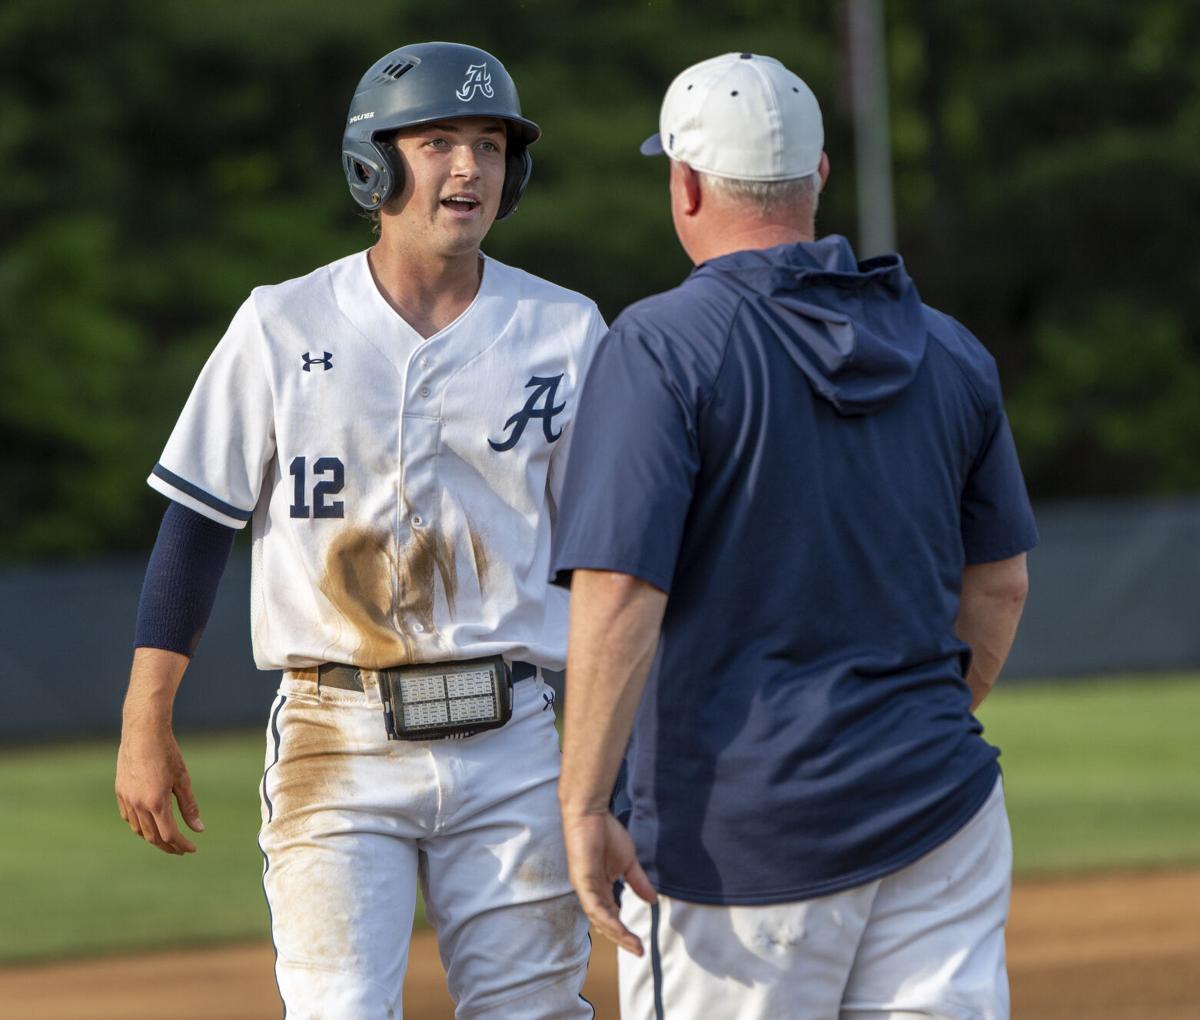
[(73, 878), (1099, 774)]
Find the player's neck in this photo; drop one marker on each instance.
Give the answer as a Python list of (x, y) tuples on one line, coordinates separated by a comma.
[(428, 293)]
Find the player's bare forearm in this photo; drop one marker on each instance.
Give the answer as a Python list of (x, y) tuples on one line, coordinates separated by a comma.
[(993, 597), (615, 620), (150, 767), (153, 683)]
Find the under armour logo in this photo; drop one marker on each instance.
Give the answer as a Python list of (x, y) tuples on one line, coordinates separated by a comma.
[(477, 80), (325, 362), (544, 389)]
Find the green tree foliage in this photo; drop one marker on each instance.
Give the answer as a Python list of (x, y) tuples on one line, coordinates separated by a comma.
[(1048, 179), (161, 159), (1115, 402)]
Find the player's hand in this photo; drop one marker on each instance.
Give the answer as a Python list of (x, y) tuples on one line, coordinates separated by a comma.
[(150, 771), (599, 851)]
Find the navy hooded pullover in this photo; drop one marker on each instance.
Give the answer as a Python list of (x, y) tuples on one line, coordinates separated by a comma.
[(805, 457)]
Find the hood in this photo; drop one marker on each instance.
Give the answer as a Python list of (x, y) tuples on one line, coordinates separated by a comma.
[(856, 329)]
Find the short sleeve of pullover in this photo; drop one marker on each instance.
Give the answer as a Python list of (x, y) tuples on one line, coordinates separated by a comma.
[(997, 519)]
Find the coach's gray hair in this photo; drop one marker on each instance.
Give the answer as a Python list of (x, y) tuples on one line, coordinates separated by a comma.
[(768, 197)]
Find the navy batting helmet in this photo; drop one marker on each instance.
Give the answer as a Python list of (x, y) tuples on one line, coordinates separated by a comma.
[(422, 83)]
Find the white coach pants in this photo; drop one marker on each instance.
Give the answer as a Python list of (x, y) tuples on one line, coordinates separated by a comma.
[(352, 822), (924, 943)]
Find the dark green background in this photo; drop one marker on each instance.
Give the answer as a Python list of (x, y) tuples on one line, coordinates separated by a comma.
[(162, 158)]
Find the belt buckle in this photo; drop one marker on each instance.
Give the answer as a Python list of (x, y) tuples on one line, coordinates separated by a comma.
[(430, 701)]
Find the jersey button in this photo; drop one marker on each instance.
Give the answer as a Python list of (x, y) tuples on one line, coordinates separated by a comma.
[(425, 391), (419, 628), (418, 521)]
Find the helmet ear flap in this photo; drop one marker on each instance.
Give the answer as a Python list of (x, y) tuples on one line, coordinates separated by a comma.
[(518, 166), (372, 173)]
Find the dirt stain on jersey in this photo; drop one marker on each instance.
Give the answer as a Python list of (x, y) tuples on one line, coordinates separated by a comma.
[(360, 571), (427, 552), (387, 593), (479, 554)]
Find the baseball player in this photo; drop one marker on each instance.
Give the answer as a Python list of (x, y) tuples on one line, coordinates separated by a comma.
[(394, 427), (797, 563)]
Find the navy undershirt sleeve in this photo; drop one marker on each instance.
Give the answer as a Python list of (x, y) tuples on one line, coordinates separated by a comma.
[(185, 568)]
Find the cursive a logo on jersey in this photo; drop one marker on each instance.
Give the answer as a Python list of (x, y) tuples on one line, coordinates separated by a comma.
[(326, 362), (478, 80), (539, 405)]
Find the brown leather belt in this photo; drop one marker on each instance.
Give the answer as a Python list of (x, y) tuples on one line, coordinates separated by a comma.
[(349, 678)]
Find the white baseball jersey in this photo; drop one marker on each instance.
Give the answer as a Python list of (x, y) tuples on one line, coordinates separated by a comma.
[(401, 489)]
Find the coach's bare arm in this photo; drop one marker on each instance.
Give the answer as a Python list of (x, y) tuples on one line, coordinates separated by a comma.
[(150, 768), (993, 596), (615, 623)]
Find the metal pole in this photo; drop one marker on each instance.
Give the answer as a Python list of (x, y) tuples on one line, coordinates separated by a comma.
[(872, 138)]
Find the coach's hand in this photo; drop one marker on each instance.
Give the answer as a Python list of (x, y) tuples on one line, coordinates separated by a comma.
[(599, 851), (150, 768)]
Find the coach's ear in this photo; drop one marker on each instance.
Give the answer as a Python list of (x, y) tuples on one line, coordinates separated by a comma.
[(685, 189), (691, 188)]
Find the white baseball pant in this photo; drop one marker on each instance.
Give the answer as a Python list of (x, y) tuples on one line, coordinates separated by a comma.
[(352, 822), (923, 943)]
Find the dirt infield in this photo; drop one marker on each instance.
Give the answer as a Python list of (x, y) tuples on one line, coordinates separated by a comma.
[(1115, 947)]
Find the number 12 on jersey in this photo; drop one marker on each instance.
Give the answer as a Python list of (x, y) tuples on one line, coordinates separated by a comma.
[(321, 506)]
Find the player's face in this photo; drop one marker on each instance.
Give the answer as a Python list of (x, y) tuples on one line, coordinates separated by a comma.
[(453, 177)]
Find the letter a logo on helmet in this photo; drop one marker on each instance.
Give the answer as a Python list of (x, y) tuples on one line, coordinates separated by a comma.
[(477, 80)]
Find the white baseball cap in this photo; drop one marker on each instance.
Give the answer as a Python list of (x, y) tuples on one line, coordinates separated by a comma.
[(740, 115)]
